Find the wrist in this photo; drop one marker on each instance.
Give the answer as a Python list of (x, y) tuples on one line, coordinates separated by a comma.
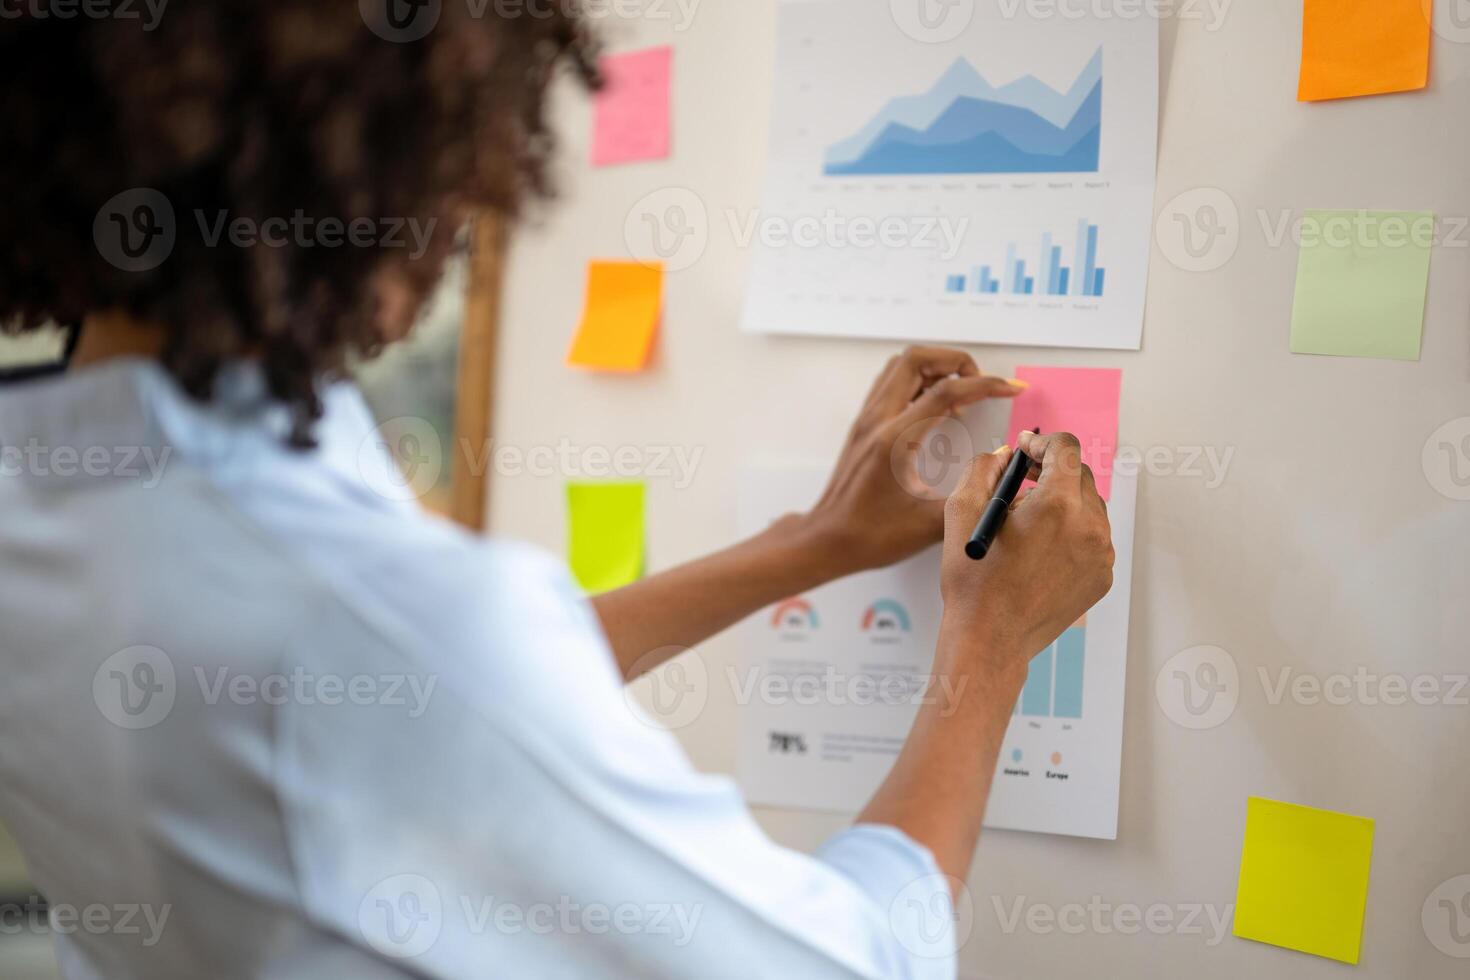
[(798, 553), (827, 548), (972, 645)]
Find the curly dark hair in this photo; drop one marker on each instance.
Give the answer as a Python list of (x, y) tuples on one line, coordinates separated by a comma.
[(322, 111)]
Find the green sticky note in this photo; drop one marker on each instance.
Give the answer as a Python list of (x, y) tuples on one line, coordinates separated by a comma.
[(605, 534), (1304, 879), (1361, 283)]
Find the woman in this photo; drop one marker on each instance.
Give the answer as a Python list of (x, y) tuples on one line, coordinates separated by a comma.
[(271, 724)]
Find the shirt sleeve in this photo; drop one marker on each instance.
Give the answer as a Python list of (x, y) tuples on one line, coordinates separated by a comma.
[(521, 815), (902, 877)]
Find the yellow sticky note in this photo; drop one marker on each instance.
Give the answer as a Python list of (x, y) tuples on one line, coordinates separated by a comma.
[(620, 317), (1304, 879), (1364, 47), (605, 534)]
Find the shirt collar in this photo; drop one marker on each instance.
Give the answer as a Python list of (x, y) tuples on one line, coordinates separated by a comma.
[(125, 418)]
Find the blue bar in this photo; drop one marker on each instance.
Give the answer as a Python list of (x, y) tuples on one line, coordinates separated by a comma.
[(1098, 284), (985, 279), (1062, 281), (1070, 646), (977, 280), (1089, 268), (1078, 281), (955, 284), (1053, 278), (1036, 695), (994, 287), (1020, 286), (1029, 286)]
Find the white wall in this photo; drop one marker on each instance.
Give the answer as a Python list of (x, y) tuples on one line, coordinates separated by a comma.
[(1326, 548)]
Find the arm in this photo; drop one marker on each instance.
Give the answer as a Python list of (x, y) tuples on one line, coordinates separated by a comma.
[(874, 512), (1051, 563), (651, 620)]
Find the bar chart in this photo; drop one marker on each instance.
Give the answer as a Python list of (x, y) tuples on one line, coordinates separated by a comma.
[(1048, 277), (1054, 681)]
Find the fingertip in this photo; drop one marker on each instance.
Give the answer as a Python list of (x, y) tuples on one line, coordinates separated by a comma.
[(989, 386)]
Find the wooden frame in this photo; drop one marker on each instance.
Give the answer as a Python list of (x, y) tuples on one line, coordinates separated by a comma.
[(475, 393)]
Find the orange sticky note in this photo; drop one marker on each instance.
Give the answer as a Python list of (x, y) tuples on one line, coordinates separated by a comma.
[(620, 318), (1364, 47)]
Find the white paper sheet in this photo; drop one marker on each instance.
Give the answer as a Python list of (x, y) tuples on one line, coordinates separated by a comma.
[(830, 683), (917, 181)]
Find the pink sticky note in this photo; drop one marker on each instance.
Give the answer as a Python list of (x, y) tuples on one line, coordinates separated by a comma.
[(632, 109), (1082, 401)]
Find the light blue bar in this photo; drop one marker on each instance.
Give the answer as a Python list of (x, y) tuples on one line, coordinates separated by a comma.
[(985, 279), (1036, 695), (1045, 260), (1070, 646), (1053, 278), (1089, 269), (1012, 281)]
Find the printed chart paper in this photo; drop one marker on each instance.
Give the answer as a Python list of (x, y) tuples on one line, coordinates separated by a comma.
[(830, 682), (993, 188)]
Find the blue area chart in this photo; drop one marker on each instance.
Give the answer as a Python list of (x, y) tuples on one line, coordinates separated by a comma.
[(964, 125)]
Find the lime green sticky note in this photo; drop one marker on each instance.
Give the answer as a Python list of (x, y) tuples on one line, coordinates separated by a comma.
[(1361, 282), (1304, 879), (605, 534)]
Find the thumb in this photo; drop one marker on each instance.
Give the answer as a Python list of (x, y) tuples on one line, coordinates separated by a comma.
[(978, 485)]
